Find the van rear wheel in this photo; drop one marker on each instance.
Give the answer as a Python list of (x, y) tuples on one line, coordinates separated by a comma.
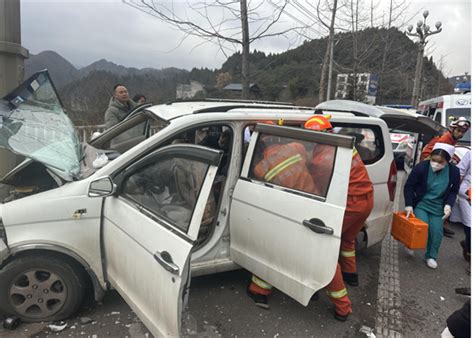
[(41, 288)]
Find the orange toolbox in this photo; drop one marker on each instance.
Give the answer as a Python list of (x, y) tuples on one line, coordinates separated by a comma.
[(411, 231)]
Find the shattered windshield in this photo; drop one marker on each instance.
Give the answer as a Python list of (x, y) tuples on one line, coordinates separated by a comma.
[(34, 124)]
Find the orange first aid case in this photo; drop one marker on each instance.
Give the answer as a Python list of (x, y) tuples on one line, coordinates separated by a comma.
[(411, 231)]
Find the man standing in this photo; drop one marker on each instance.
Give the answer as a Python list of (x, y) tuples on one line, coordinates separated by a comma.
[(120, 106), (360, 202)]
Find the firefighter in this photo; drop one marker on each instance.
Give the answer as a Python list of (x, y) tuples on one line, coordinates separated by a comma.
[(285, 165), (359, 205), (457, 129)]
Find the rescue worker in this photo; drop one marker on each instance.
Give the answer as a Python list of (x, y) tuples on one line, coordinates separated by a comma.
[(285, 165), (457, 129), (430, 192), (359, 205)]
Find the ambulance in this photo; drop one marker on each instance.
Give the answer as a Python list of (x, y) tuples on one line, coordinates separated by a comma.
[(444, 109)]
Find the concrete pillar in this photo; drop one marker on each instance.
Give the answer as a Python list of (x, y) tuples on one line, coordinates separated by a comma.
[(12, 56)]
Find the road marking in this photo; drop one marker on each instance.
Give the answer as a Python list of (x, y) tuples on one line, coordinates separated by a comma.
[(389, 297), (388, 294)]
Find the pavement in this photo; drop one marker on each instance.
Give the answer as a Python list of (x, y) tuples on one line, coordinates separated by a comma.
[(398, 296)]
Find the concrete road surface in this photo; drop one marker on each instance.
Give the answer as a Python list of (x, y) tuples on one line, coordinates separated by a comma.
[(398, 296)]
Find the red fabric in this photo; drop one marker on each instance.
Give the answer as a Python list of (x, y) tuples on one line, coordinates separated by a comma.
[(359, 181), (447, 137), (296, 176), (357, 211), (321, 167), (255, 289), (342, 305)]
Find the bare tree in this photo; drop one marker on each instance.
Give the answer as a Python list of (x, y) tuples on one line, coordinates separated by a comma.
[(326, 70), (226, 23)]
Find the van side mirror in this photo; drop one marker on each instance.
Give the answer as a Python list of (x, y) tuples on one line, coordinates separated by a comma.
[(102, 187)]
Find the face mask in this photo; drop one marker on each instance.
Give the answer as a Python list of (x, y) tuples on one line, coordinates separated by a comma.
[(436, 166)]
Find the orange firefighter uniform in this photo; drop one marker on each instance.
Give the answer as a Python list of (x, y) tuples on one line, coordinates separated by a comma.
[(359, 205), (447, 137), (285, 165)]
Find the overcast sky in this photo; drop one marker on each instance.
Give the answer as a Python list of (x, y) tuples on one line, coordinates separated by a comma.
[(86, 31)]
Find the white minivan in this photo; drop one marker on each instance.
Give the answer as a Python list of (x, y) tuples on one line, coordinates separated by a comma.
[(180, 198)]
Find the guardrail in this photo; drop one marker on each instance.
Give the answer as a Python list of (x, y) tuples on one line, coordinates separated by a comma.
[(85, 132)]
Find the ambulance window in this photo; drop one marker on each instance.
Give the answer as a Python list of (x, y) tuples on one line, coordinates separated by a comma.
[(438, 117), (293, 165)]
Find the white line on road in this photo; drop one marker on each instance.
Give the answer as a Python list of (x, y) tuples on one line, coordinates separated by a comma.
[(388, 294)]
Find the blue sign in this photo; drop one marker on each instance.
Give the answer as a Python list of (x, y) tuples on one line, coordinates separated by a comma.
[(373, 85)]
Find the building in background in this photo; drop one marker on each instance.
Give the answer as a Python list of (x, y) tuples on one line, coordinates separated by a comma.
[(461, 83), (366, 90), (188, 91)]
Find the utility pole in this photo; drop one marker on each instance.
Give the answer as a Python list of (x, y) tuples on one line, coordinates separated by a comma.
[(12, 56), (245, 50), (422, 32)]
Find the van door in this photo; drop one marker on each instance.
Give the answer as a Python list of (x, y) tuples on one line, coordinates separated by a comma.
[(149, 227), (284, 229)]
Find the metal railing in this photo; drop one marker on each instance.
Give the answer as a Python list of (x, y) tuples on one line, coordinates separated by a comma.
[(85, 132)]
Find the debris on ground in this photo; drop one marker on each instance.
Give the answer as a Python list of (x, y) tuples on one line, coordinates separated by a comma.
[(86, 320), (57, 327), (11, 323), (367, 331), (441, 297), (114, 313)]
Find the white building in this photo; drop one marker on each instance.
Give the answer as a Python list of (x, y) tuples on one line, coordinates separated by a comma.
[(367, 85), (188, 91)]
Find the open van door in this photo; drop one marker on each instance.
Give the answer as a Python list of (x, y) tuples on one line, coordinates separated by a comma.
[(287, 236), (149, 226)]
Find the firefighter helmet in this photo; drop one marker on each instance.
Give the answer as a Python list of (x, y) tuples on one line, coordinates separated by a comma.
[(319, 123), (460, 122)]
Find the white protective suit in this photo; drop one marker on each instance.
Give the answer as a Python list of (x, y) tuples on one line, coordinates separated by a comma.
[(462, 209)]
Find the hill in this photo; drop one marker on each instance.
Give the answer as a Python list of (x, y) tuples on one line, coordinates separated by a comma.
[(60, 69), (290, 76)]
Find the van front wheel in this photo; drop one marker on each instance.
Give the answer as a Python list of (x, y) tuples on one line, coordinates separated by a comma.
[(41, 288)]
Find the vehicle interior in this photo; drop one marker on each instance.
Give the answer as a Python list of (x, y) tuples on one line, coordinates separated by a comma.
[(219, 137)]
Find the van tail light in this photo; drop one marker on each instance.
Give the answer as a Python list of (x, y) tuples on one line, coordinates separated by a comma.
[(392, 181)]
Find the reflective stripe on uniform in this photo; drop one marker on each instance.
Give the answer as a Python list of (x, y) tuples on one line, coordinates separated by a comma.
[(261, 283), (282, 166), (337, 294), (354, 152), (348, 253)]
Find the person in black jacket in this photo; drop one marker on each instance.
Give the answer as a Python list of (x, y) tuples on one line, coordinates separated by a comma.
[(430, 192), (459, 323)]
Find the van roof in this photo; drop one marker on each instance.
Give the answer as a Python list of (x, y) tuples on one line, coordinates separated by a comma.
[(172, 110)]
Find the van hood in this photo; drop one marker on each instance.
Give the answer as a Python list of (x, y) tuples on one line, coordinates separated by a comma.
[(33, 124)]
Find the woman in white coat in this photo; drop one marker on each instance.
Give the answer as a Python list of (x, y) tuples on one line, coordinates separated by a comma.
[(462, 208)]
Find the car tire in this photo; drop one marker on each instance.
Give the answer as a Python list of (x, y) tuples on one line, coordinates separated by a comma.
[(41, 288)]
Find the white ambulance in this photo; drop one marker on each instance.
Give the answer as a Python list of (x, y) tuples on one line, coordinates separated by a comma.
[(444, 109)]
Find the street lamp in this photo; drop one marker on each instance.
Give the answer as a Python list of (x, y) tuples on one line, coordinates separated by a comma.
[(422, 31)]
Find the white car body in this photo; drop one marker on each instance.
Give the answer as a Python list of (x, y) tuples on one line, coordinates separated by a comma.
[(261, 227)]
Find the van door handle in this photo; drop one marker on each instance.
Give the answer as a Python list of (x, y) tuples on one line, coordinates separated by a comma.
[(165, 260), (318, 226)]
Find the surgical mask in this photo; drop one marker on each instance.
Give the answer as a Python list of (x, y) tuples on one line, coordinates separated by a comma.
[(436, 166)]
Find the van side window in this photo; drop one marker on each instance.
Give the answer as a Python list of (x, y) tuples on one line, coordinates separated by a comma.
[(368, 140), (168, 189), (438, 117), (298, 165)]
